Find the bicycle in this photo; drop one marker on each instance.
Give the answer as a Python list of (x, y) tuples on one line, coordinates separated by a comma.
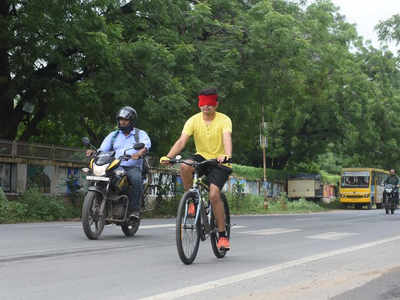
[(201, 224)]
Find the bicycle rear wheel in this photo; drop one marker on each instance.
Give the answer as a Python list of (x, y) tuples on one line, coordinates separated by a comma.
[(214, 234), (187, 232)]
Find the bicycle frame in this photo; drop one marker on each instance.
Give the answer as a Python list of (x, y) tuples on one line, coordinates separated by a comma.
[(201, 215)]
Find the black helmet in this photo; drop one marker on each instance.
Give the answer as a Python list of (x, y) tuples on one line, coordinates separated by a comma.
[(128, 113)]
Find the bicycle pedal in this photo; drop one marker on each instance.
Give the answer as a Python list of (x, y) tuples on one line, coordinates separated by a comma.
[(224, 249)]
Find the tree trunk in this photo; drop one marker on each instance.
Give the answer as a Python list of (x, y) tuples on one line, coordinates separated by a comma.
[(6, 107)]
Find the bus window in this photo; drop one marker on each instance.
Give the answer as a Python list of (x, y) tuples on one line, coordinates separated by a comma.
[(355, 179)]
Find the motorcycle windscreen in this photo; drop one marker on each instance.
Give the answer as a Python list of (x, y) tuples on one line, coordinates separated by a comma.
[(105, 158)]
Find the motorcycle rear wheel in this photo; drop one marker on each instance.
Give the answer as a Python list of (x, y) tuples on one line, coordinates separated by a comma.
[(130, 227), (92, 223)]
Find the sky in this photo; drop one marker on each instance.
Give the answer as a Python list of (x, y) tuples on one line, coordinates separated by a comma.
[(368, 13)]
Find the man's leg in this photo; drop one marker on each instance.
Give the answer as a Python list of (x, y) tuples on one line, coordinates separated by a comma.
[(187, 176), (217, 177), (218, 206), (135, 190)]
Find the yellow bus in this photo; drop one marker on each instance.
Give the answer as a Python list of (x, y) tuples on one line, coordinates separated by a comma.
[(362, 186)]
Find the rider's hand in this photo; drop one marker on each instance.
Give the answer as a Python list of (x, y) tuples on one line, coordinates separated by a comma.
[(89, 152), (135, 156), (164, 160), (223, 159)]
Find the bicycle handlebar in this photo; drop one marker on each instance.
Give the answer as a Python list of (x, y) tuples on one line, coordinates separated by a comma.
[(196, 164)]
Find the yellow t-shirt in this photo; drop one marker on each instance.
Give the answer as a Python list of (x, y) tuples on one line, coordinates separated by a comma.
[(208, 139)]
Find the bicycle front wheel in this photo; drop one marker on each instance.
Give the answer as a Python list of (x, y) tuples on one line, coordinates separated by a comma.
[(214, 234), (187, 232)]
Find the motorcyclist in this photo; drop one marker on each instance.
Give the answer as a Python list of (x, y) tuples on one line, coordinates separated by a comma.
[(394, 180), (119, 140)]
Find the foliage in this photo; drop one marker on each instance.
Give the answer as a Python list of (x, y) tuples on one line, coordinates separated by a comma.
[(3, 197), (34, 206), (10, 211), (329, 178), (237, 194), (329, 99), (252, 204), (253, 173), (41, 207)]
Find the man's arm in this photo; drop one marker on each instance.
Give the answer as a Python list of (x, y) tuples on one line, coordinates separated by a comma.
[(145, 139), (178, 146), (106, 144), (227, 140)]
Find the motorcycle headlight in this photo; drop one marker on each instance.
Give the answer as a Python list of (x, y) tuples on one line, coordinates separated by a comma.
[(100, 170), (119, 172)]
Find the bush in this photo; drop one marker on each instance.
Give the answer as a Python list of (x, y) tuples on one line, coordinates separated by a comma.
[(11, 212), (248, 204), (43, 207), (255, 204), (3, 197)]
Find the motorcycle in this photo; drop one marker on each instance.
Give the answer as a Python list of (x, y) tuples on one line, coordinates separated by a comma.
[(106, 201), (390, 195)]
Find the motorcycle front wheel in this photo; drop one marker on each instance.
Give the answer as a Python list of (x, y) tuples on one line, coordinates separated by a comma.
[(92, 222)]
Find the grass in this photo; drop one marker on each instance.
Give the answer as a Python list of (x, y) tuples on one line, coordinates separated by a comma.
[(251, 204)]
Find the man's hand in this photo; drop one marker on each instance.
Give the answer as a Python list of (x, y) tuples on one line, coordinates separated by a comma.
[(164, 160), (222, 159), (139, 154), (89, 152), (135, 156)]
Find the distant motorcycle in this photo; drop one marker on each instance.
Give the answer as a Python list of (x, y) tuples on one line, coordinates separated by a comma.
[(390, 197), (106, 201)]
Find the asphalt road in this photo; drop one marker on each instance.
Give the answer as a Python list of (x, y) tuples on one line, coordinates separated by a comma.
[(351, 254)]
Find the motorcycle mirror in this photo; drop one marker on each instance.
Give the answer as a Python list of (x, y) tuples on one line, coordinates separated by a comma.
[(138, 146), (86, 141)]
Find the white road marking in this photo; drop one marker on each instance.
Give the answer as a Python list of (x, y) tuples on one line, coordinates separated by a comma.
[(271, 231), (308, 219), (141, 226), (233, 227), (157, 226), (238, 226), (264, 271), (333, 236), (50, 251)]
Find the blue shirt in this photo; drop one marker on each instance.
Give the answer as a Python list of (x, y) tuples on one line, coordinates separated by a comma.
[(123, 142)]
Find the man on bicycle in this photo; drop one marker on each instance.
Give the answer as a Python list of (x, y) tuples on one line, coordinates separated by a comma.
[(212, 137)]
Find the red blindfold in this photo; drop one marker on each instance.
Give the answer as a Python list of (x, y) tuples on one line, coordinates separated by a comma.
[(208, 100)]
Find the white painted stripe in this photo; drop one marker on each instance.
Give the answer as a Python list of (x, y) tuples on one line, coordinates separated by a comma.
[(264, 271), (333, 236), (157, 226), (233, 227), (270, 231), (37, 252), (141, 226), (308, 219), (238, 226)]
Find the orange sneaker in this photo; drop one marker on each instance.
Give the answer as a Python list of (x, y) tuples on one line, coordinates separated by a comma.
[(223, 243), (191, 209)]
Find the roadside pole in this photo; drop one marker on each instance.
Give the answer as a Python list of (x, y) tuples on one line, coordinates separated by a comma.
[(263, 144)]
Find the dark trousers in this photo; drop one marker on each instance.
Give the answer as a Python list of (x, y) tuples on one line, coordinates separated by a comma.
[(135, 189)]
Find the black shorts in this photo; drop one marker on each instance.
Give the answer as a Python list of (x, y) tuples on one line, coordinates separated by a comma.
[(217, 175)]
